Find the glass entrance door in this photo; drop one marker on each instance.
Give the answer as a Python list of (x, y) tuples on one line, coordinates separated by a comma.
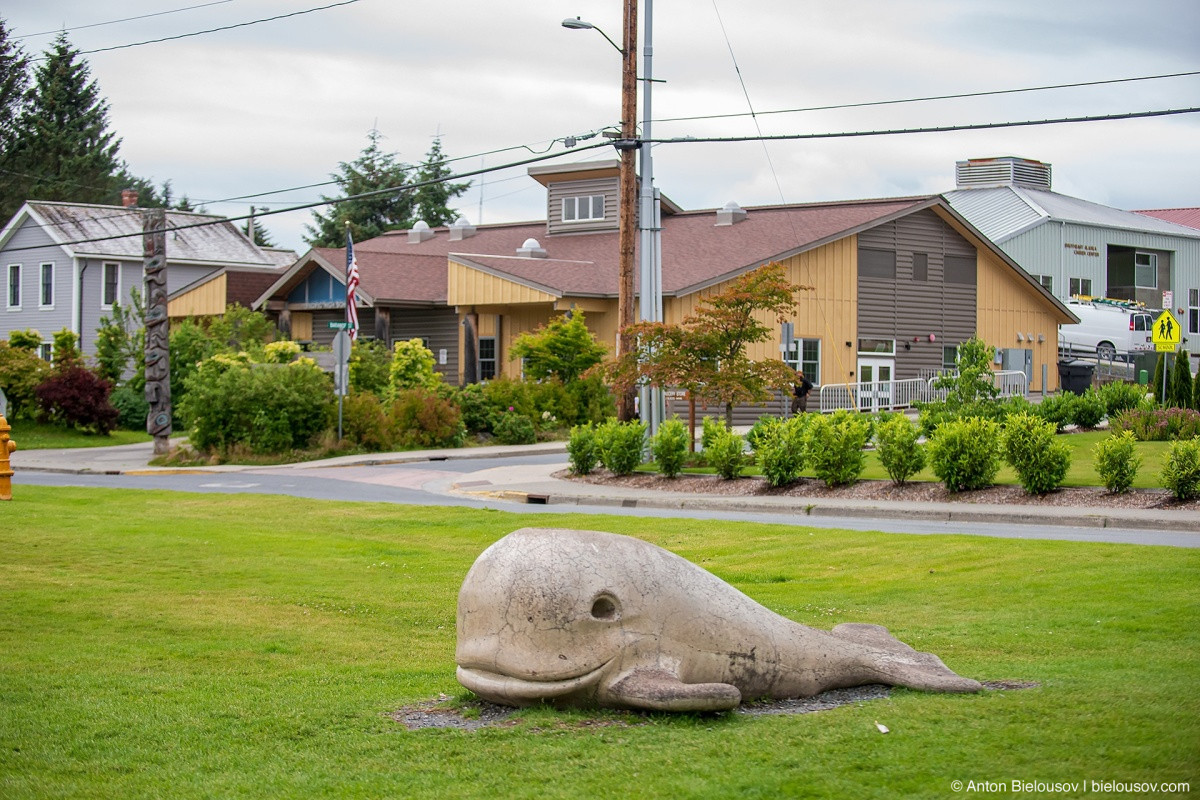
[(875, 383)]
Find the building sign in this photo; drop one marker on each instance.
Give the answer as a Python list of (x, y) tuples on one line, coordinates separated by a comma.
[(1083, 249)]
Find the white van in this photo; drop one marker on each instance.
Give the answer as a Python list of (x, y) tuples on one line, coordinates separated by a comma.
[(1107, 328)]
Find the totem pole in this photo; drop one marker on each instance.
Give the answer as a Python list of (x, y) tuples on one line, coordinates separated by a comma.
[(158, 358)]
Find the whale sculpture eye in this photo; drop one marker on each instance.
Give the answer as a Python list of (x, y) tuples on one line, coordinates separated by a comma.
[(605, 607)]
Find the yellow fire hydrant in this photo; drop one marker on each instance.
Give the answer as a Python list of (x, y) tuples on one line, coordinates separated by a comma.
[(7, 446)]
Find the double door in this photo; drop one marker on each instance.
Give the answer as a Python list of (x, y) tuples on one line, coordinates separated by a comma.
[(875, 383)]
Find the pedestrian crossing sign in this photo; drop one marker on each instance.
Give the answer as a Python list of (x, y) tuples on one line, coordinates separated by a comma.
[(1166, 334)]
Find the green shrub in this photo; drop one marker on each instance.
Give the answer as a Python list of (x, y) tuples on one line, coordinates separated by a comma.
[(412, 367), (66, 351), (620, 445), (1058, 409), (1179, 387), (1158, 424), (1181, 472), (834, 446), (1088, 409), (1118, 397), (1030, 449), (710, 427), (365, 421), (670, 447), (281, 352), (504, 394), (478, 415), (725, 452), (899, 451), (132, 408), (28, 339), (1117, 461), (590, 401), (932, 414), (370, 366), (21, 371), (780, 450), (267, 408), (965, 454), (514, 427), (763, 427), (582, 455), (420, 418)]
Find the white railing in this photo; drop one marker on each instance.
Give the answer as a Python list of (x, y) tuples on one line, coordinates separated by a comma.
[(891, 395)]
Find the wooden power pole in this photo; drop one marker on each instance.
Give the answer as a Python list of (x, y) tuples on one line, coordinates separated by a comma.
[(627, 219)]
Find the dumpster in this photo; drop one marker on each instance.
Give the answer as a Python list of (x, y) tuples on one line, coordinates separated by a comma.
[(1075, 376)]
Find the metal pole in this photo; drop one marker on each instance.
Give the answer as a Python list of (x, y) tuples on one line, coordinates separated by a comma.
[(650, 291)]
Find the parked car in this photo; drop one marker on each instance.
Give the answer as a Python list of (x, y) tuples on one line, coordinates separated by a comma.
[(1107, 328)]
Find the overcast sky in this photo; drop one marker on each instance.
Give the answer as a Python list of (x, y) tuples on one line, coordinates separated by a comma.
[(278, 104)]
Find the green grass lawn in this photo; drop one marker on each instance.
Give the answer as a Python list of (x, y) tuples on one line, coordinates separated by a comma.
[(159, 644), (36, 436)]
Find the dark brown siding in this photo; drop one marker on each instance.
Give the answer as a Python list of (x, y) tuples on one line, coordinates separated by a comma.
[(905, 309), (438, 327)]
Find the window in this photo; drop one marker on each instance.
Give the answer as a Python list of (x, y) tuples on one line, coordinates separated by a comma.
[(112, 285), (1193, 310), (47, 299), (46, 352), (921, 267), (949, 356), (1145, 270), (1081, 286), (487, 358), (1046, 281), (960, 269), (876, 264), (806, 357), (583, 208), (14, 285), (877, 346)]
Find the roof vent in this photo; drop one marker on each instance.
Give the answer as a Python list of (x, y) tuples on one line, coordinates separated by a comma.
[(531, 249), (1005, 171), (731, 214), (419, 232), (461, 229)]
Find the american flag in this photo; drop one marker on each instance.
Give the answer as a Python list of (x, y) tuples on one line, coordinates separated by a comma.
[(351, 286)]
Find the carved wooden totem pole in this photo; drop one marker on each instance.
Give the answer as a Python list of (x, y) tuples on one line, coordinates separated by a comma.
[(158, 360)]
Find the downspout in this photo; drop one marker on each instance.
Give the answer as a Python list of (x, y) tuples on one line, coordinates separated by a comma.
[(78, 314)]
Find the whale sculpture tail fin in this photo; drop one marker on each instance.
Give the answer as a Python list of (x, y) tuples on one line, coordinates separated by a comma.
[(893, 662)]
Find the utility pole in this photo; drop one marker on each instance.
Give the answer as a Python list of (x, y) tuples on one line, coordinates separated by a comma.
[(627, 219)]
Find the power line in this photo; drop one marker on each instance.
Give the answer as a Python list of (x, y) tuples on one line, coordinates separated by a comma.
[(931, 97), (939, 129), (215, 30), (126, 19)]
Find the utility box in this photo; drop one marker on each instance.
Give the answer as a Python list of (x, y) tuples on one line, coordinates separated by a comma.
[(1075, 376)]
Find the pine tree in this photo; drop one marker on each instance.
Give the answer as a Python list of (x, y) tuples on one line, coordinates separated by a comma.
[(1181, 381), (1160, 369), (431, 200), (261, 236), (371, 216), (14, 84), (64, 145)]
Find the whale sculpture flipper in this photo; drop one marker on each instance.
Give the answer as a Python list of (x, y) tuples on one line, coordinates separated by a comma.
[(658, 690), (583, 618)]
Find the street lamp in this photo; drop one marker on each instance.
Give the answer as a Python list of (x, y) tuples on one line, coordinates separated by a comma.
[(651, 411)]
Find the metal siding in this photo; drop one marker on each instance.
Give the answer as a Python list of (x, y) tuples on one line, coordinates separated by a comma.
[(557, 191), (44, 321)]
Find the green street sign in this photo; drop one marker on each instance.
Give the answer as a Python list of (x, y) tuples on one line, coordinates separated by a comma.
[(340, 326)]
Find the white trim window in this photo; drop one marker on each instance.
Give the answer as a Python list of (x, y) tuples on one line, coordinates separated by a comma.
[(805, 356), (110, 285), (1047, 282), (46, 287), (46, 352), (13, 295), (1193, 311), (487, 358), (1081, 287), (1145, 270), (583, 208)]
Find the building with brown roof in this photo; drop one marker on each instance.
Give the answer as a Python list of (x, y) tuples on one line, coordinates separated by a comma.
[(897, 283)]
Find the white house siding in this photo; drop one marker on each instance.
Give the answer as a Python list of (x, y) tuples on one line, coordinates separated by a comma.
[(47, 321)]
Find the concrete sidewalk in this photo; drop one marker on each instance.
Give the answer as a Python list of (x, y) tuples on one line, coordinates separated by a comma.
[(535, 483)]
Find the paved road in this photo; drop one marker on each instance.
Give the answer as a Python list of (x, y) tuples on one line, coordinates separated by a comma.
[(521, 479)]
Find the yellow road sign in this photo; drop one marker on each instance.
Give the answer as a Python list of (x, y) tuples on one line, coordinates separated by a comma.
[(1166, 331), (1165, 347)]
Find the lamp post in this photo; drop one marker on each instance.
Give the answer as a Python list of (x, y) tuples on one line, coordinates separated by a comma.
[(629, 218)]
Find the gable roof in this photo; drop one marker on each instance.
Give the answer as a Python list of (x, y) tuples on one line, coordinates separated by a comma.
[(85, 230), (1002, 212), (1180, 216)]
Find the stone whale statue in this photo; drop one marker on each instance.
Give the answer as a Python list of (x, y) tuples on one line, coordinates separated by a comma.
[(584, 618)]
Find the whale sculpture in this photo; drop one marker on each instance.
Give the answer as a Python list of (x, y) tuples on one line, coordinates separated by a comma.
[(584, 618)]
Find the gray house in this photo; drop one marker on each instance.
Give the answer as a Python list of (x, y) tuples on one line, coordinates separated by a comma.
[(63, 268), (1077, 247)]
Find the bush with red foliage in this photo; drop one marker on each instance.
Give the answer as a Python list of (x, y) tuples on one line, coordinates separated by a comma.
[(77, 397)]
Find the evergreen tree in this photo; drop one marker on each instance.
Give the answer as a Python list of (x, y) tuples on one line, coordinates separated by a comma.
[(1181, 381), (261, 236), (14, 84), (64, 146), (431, 200), (371, 216), (1159, 370)]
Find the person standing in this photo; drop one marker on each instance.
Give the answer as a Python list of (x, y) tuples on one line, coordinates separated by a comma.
[(800, 393)]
